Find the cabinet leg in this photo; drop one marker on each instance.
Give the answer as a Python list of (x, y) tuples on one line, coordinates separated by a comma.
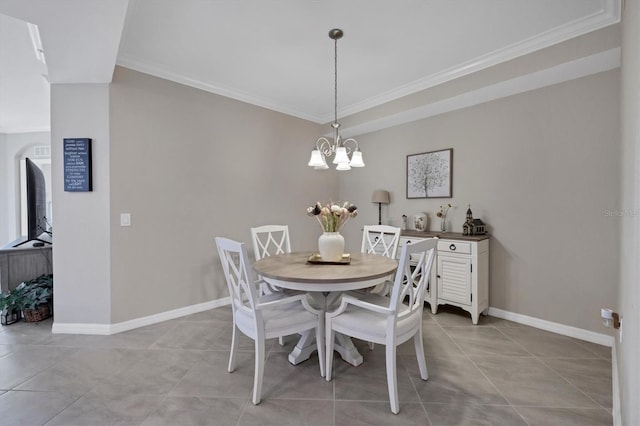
[(434, 308), (474, 318)]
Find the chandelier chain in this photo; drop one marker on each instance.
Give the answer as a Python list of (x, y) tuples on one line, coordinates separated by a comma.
[(335, 81)]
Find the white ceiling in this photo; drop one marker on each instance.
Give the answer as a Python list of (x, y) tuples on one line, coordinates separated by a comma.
[(276, 53)]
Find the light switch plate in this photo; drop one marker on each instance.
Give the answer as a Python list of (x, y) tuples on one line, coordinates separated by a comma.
[(125, 219)]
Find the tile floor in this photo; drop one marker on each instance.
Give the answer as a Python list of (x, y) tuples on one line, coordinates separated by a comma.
[(174, 373)]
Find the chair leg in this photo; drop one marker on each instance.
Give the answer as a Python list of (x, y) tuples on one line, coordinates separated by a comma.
[(417, 342), (281, 340), (234, 349), (392, 378), (331, 335), (259, 370)]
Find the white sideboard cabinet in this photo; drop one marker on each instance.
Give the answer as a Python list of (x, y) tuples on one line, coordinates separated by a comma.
[(460, 274)]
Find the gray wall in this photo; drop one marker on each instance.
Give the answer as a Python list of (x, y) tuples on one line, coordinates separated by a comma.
[(189, 166), (628, 351), (541, 169)]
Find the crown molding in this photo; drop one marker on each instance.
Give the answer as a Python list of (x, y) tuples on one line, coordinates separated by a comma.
[(156, 71), (608, 15), (599, 62)]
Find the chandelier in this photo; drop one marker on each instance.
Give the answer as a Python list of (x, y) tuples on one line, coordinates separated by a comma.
[(341, 149)]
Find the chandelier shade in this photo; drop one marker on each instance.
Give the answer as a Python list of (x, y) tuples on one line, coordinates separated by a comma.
[(341, 149)]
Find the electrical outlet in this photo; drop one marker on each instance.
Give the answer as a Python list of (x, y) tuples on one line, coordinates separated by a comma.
[(607, 316), (125, 219)]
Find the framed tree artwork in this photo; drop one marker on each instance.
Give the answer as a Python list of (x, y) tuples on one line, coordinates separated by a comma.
[(429, 174)]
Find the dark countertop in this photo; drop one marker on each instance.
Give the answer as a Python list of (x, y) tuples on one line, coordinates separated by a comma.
[(443, 235)]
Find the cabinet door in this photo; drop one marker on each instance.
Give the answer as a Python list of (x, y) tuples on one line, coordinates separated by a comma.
[(454, 278)]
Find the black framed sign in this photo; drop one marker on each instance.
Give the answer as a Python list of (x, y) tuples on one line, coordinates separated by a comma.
[(77, 165), (429, 174)]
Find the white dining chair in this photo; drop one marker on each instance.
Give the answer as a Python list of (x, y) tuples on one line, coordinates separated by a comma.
[(382, 240), (388, 320), (269, 240), (263, 317)]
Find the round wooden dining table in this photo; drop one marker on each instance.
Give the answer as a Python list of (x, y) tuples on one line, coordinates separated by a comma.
[(324, 283)]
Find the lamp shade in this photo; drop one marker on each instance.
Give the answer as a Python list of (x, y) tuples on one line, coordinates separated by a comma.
[(316, 159), (343, 166), (356, 159), (380, 196), (341, 155)]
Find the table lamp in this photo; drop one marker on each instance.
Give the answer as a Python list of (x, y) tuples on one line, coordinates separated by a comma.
[(381, 197)]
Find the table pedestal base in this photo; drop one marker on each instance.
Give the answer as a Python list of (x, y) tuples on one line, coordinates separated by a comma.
[(307, 344)]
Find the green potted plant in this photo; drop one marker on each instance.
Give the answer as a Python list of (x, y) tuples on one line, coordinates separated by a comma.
[(37, 298), (11, 305), (31, 298)]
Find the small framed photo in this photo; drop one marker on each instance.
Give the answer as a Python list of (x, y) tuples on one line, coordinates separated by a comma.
[(429, 174)]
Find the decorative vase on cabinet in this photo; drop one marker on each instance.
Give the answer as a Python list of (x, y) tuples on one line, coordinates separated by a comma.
[(331, 246)]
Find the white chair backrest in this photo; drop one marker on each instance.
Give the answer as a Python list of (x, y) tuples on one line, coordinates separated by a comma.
[(412, 280), (380, 239), (269, 240), (238, 273)]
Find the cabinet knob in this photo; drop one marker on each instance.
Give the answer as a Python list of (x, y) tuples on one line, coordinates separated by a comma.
[(452, 247)]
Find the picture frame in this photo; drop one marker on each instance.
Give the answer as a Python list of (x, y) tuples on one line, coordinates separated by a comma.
[(430, 174), (78, 173)]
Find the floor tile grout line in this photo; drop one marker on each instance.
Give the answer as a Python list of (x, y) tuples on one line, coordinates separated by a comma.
[(164, 398), (560, 407), (483, 373), (242, 411), (514, 408), (583, 345), (415, 389), (333, 388), (541, 360), (62, 410), (571, 384), (515, 342), (426, 413)]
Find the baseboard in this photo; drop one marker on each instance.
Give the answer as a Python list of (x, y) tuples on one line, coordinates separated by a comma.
[(565, 330), (71, 328), (108, 329), (617, 419)]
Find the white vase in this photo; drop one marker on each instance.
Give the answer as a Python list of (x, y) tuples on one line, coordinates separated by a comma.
[(331, 246)]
